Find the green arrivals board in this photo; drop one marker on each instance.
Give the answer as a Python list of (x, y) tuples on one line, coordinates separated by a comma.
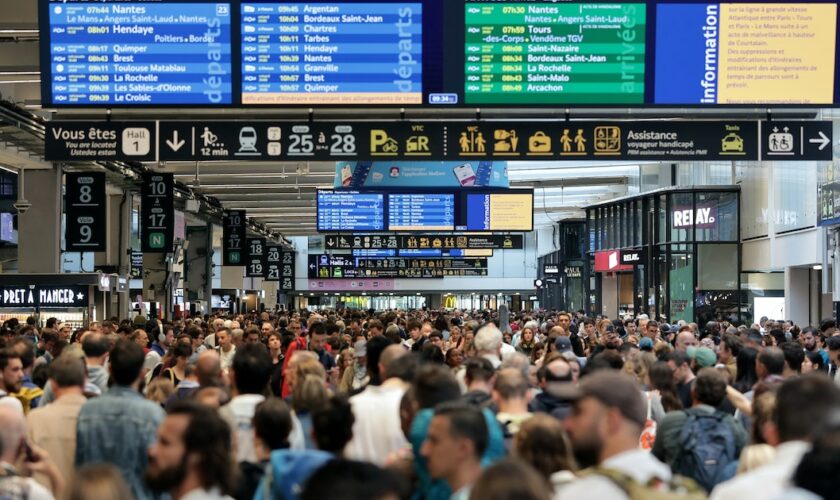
[(548, 53)]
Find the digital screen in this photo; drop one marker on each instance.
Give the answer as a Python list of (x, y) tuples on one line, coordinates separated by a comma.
[(129, 54), (745, 53), (421, 212), (350, 211), (332, 53), (500, 212), (544, 53)]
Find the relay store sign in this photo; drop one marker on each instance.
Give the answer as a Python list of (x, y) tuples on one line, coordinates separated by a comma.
[(44, 296), (703, 217), (610, 261)]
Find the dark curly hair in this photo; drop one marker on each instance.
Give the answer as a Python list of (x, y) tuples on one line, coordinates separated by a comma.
[(208, 437)]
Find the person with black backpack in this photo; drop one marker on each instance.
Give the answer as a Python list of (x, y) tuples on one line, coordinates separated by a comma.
[(702, 442)]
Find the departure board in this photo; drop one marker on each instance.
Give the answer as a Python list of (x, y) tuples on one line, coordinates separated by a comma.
[(421, 212), (500, 212), (129, 54), (550, 53), (298, 53), (350, 211)]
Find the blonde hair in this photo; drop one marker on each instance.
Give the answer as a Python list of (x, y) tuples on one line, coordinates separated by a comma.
[(754, 456), (309, 393), (100, 481), (159, 390)]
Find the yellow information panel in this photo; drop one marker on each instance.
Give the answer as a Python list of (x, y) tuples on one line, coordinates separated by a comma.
[(511, 212), (777, 53)]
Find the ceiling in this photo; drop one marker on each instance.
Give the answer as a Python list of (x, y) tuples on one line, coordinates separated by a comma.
[(279, 195)]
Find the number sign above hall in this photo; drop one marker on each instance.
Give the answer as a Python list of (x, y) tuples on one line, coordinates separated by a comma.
[(84, 208), (157, 214)]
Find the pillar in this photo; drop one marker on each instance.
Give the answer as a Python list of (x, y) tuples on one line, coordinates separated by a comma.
[(155, 281), (116, 254), (797, 294), (39, 229), (197, 265)]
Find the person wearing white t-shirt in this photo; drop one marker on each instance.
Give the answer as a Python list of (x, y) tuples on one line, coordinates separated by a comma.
[(377, 431)]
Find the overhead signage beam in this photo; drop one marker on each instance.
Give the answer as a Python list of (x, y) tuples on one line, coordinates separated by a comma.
[(337, 266), (423, 242), (468, 142)]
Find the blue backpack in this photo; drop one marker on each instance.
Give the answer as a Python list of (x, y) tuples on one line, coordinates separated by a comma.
[(708, 451), (287, 472)]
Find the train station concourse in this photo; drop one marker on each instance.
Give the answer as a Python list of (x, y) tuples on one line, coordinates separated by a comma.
[(421, 249)]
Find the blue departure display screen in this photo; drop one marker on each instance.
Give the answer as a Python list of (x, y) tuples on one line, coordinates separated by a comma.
[(350, 211), (332, 53), (478, 212), (129, 54), (421, 212)]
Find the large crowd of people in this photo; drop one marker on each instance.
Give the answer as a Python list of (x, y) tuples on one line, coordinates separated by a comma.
[(418, 405)]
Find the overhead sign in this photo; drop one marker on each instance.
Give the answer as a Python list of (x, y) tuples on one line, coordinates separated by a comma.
[(255, 266), (54, 296), (337, 266), (100, 141), (551, 269), (233, 238), (280, 266), (355, 285), (136, 265), (470, 144), (791, 141), (85, 212), (548, 53), (157, 213), (366, 174), (350, 211), (423, 241), (130, 54), (341, 53), (421, 211)]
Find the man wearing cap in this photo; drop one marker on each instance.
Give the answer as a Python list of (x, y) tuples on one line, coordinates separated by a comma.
[(707, 393), (564, 345), (607, 419), (701, 357)]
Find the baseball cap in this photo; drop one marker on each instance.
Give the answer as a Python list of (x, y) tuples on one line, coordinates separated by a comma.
[(360, 349), (563, 344), (646, 344), (703, 355), (614, 390)]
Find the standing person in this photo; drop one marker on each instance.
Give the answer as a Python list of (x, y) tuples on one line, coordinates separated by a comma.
[(680, 363), (702, 442), (377, 431), (813, 396), (11, 367), (249, 377), (12, 453), (226, 349), (604, 428), (455, 443), (119, 426), (318, 345), (191, 460), (53, 427), (178, 372)]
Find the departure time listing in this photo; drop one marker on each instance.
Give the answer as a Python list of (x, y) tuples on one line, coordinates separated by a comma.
[(332, 53), (128, 54), (541, 52)]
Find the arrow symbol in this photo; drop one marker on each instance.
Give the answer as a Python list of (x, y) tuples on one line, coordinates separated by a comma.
[(822, 140), (175, 144)]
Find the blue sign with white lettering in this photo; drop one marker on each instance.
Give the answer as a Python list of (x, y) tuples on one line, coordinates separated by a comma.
[(129, 54)]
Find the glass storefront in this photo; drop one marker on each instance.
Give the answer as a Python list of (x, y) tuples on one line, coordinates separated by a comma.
[(678, 247)]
